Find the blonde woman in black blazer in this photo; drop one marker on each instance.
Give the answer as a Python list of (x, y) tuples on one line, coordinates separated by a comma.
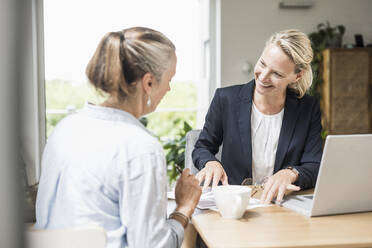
[(282, 76)]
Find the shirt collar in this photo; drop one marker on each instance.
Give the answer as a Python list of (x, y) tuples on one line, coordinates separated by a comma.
[(112, 114)]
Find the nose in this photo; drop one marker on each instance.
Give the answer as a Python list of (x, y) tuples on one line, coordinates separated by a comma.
[(264, 75)]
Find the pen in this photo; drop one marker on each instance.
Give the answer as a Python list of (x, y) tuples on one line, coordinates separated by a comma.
[(178, 168)]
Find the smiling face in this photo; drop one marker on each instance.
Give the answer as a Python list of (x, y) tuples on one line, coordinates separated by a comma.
[(274, 71)]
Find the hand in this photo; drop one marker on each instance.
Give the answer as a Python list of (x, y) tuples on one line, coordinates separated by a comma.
[(187, 193), (212, 170), (277, 184)]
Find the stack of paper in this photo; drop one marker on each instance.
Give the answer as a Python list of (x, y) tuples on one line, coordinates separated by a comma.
[(207, 201)]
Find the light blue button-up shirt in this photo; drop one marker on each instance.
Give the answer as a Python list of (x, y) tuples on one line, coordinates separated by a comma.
[(102, 167)]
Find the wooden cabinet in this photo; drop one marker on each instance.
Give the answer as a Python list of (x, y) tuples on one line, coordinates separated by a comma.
[(346, 100)]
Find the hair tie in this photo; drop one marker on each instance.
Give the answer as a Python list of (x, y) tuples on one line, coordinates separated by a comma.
[(121, 52), (122, 38)]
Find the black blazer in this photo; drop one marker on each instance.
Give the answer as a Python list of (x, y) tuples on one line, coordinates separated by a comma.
[(229, 121)]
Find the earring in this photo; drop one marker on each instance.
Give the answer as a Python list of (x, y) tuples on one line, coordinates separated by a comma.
[(148, 102)]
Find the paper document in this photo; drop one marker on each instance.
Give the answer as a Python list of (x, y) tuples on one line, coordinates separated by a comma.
[(207, 193), (207, 201)]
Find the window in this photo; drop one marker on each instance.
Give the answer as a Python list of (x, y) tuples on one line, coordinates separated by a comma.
[(64, 35), (73, 30)]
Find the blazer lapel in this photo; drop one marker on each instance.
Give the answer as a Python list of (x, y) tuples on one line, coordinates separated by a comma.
[(291, 113), (244, 107)]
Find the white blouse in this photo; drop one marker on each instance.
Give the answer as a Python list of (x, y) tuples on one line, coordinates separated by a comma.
[(265, 130)]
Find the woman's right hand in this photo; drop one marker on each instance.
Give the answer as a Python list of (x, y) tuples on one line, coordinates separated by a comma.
[(187, 193), (212, 171)]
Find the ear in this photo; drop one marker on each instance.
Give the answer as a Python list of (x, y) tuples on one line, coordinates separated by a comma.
[(299, 76), (147, 82)]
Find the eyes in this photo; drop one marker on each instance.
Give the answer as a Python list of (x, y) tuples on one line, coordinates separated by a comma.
[(276, 73)]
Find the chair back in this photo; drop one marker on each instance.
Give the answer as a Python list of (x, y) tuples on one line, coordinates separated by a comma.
[(191, 138), (92, 237)]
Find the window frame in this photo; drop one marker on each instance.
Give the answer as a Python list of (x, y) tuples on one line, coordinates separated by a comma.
[(32, 94)]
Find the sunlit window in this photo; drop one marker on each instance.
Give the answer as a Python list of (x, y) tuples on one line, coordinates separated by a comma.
[(73, 29)]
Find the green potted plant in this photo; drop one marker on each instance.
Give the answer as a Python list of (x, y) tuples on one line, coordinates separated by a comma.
[(324, 37), (174, 148), (175, 151)]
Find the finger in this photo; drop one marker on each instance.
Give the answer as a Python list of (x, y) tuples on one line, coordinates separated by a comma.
[(186, 172), (193, 179), (207, 181), (293, 187), (224, 179), (200, 176), (195, 183), (281, 192), (267, 187), (216, 179), (270, 195)]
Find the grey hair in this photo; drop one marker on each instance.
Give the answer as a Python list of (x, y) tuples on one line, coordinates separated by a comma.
[(124, 57)]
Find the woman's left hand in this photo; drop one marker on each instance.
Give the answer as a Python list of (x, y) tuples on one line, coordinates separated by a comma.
[(277, 184)]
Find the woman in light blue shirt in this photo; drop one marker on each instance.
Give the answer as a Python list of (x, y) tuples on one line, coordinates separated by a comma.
[(101, 166)]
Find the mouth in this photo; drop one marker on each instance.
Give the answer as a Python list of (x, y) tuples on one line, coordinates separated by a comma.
[(267, 86)]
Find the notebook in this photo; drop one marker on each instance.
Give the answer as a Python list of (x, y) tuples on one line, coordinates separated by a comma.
[(344, 182)]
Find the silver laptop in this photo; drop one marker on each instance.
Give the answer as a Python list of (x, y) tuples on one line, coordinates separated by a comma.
[(344, 182)]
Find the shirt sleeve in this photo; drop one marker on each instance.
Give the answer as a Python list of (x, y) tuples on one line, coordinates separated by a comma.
[(310, 161), (143, 204), (211, 136)]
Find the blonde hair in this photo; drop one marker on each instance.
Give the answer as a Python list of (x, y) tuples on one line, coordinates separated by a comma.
[(297, 46), (124, 57)]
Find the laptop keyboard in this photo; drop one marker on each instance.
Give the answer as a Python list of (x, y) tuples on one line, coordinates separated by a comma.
[(299, 203)]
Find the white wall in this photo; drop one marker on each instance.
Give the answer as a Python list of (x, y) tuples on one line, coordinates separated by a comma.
[(247, 24)]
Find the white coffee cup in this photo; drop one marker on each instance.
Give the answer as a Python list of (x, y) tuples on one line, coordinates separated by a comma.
[(232, 200)]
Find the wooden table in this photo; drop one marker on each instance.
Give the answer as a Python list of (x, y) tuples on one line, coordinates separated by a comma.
[(276, 226)]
